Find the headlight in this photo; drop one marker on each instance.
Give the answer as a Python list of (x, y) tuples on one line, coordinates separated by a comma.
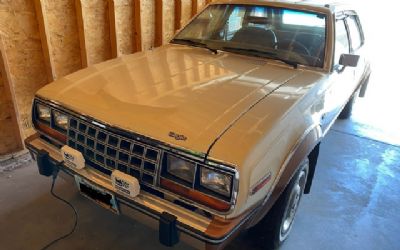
[(216, 181), (181, 168), (60, 120), (43, 113)]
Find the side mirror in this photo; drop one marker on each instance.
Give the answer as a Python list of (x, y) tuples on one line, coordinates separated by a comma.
[(349, 60)]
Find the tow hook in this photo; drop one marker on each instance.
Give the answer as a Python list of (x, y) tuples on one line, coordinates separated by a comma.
[(44, 165), (168, 231)]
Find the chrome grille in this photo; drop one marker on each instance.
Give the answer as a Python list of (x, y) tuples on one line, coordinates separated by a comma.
[(107, 151)]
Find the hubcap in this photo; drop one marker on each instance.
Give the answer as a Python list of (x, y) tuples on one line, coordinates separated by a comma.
[(292, 207), (292, 204)]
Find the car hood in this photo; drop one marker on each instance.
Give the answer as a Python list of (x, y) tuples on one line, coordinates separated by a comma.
[(179, 95)]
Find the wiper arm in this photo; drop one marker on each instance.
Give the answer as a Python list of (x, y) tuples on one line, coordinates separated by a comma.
[(248, 50), (194, 43), (268, 54), (294, 64)]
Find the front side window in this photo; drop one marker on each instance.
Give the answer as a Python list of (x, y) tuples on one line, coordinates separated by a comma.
[(355, 34), (262, 31), (341, 40)]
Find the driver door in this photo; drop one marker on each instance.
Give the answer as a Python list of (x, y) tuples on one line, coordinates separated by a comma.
[(342, 83)]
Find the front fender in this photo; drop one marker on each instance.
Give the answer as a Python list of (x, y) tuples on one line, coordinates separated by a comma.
[(306, 146)]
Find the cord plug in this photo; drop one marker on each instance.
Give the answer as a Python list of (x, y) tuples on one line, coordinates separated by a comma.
[(56, 169)]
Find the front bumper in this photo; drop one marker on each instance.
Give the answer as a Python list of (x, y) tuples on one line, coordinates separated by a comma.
[(197, 230)]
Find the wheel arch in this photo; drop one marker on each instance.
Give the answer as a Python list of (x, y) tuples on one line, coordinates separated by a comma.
[(306, 147), (312, 159)]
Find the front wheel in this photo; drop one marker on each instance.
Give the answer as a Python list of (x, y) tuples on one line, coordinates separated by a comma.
[(348, 108), (277, 224), (292, 201)]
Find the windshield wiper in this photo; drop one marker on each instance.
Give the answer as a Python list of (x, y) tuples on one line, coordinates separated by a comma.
[(194, 43), (261, 53)]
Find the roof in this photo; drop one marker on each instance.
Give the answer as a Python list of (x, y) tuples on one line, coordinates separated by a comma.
[(326, 5)]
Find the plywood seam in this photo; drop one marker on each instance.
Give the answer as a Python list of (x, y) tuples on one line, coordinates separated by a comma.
[(137, 26), (81, 31), (178, 14), (45, 39), (194, 7), (158, 41), (113, 29)]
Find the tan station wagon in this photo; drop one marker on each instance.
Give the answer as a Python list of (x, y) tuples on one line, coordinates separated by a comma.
[(217, 131)]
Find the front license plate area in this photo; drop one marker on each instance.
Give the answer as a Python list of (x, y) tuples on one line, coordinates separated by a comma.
[(99, 195)]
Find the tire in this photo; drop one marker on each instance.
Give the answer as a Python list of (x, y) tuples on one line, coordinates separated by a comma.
[(277, 224), (348, 108)]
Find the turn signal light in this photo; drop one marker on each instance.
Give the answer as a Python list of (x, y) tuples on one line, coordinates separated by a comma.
[(195, 196), (51, 132)]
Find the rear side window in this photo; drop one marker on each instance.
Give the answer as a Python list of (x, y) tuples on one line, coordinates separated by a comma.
[(355, 34)]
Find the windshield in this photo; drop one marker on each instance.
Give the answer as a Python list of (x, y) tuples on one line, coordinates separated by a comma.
[(292, 36)]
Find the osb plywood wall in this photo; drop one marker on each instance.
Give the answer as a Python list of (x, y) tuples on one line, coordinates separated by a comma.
[(22, 50), (148, 23), (200, 4), (9, 142), (43, 40), (186, 10), (63, 36), (168, 20), (124, 18), (97, 30)]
